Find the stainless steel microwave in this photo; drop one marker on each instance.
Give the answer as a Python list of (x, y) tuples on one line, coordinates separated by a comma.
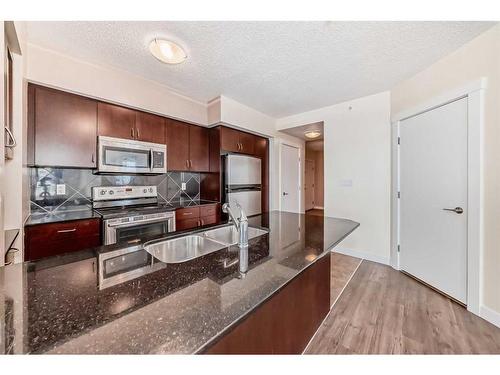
[(116, 155)]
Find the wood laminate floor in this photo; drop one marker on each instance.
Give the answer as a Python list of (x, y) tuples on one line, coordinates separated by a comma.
[(383, 311)]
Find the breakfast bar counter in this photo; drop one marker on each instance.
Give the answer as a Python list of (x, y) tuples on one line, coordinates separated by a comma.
[(59, 305)]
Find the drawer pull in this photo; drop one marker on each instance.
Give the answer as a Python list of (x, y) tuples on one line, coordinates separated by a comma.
[(66, 230), (187, 213)]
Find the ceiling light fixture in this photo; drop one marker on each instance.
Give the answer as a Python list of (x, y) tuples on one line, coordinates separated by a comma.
[(311, 134), (167, 51)]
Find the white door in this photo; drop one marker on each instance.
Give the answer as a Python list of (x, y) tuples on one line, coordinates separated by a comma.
[(290, 181), (433, 182), (309, 184)]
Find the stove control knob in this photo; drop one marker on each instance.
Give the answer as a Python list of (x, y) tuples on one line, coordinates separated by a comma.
[(145, 190), (102, 192), (150, 189), (111, 192)]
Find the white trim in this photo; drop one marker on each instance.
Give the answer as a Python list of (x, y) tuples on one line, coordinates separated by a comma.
[(490, 315), (474, 91), (442, 99), (365, 255)]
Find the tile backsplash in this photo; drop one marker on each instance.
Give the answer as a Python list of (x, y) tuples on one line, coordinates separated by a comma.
[(78, 183)]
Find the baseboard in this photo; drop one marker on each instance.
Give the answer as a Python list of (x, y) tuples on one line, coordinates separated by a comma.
[(362, 255), (490, 315), (318, 208)]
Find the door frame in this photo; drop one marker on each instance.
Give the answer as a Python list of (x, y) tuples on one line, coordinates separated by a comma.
[(280, 182), (474, 92), (314, 183)]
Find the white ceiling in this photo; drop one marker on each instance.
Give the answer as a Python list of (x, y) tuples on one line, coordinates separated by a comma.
[(279, 68)]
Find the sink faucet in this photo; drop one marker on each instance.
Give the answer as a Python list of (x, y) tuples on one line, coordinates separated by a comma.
[(241, 225)]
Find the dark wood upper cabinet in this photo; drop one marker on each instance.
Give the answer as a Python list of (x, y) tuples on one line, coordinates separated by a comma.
[(150, 128), (230, 139), (115, 121), (177, 146), (198, 149), (187, 147), (126, 123), (63, 126), (236, 141), (247, 143)]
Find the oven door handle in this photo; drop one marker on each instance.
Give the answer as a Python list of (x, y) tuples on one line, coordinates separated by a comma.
[(133, 224), (151, 159)]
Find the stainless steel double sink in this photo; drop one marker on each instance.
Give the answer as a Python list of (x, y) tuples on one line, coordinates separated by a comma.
[(182, 249)]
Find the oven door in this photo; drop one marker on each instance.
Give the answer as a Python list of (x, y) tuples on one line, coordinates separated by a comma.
[(132, 232), (121, 265)]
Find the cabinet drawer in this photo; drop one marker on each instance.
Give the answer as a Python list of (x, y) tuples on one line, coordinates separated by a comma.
[(187, 213), (208, 210), (187, 224), (60, 231), (53, 239)]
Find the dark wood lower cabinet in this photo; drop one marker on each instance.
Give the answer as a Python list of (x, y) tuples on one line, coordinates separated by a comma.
[(286, 322), (46, 240), (193, 217)]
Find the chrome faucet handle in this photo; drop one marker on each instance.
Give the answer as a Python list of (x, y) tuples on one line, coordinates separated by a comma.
[(243, 215), (225, 207)]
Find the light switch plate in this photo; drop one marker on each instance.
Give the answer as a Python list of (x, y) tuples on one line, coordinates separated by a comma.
[(61, 189), (346, 183), (183, 186)]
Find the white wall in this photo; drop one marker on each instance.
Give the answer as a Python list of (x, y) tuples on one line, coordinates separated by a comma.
[(357, 169), (478, 58), (61, 71)]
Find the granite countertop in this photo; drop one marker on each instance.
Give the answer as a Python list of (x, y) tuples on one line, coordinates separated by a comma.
[(56, 305), (86, 212), (73, 213)]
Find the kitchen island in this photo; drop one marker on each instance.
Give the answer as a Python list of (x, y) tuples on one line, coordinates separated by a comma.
[(199, 306)]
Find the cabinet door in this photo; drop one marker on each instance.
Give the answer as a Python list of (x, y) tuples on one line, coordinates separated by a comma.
[(198, 149), (65, 129), (187, 224), (149, 128), (177, 146), (115, 121), (230, 139), (247, 143)]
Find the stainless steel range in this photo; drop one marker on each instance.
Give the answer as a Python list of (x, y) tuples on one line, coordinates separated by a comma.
[(131, 213)]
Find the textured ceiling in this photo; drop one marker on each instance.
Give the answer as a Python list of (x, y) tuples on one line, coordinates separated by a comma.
[(279, 68)]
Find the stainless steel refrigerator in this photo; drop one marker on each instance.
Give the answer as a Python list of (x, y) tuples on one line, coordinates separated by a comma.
[(242, 179)]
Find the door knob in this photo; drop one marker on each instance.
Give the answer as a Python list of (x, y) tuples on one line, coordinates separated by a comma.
[(457, 210), (285, 193)]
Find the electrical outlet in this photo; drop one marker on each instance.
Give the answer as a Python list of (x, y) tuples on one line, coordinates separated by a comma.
[(183, 186), (61, 189)]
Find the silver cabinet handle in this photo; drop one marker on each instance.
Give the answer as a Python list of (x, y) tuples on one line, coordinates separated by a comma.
[(13, 142), (66, 230), (457, 210), (132, 133), (137, 134), (92, 157), (187, 213)]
